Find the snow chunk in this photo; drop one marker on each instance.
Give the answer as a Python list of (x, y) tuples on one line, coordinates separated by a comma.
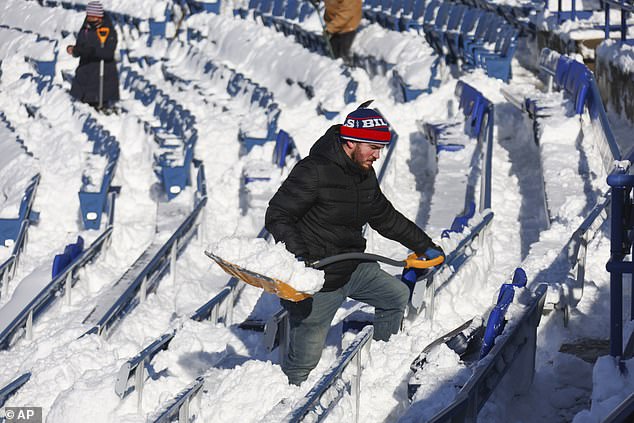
[(270, 259)]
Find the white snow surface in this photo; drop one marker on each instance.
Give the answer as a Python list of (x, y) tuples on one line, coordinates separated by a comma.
[(243, 381), (270, 259)]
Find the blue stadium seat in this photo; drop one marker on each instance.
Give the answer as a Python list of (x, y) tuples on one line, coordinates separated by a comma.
[(248, 142), (62, 261)]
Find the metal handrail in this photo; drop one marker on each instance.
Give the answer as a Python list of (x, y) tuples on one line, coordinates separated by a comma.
[(312, 402), (179, 405), (150, 274), (623, 413), (11, 387)]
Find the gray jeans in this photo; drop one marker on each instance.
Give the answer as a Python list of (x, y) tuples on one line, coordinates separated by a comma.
[(310, 319)]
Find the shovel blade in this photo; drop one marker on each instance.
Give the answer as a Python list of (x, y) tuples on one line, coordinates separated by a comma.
[(272, 285)]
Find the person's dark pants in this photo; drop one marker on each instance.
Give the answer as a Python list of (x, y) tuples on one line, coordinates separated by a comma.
[(341, 44), (310, 319)]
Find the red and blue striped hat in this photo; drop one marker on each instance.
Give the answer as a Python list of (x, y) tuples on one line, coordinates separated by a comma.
[(365, 125)]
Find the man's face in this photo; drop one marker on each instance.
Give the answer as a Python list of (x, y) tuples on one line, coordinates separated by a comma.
[(93, 19), (364, 154)]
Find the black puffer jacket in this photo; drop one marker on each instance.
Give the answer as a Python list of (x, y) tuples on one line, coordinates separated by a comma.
[(88, 48), (321, 208)]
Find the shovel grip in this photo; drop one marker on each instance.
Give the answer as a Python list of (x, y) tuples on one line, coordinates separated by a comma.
[(412, 261)]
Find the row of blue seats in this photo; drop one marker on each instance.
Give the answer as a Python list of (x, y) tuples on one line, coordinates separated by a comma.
[(476, 123), (398, 15), (268, 10), (117, 18), (286, 21), (238, 84), (18, 139), (403, 15), (93, 200), (176, 133), (42, 67), (568, 75), (460, 32), (314, 42)]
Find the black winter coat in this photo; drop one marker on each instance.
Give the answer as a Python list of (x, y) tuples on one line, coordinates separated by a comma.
[(88, 48), (322, 206)]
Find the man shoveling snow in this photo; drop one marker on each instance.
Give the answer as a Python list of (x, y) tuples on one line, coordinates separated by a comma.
[(319, 211)]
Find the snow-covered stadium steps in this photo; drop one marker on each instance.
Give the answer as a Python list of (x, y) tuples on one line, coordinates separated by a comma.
[(61, 172), (472, 281), (130, 227)]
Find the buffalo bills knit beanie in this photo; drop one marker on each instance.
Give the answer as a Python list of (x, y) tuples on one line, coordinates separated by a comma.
[(95, 9), (365, 125)]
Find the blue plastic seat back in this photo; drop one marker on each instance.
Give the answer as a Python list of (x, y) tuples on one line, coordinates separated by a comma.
[(467, 97), (442, 15), (292, 10), (561, 72), (495, 323), (470, 20), (483, 25), (9, 230), (418, 9), (278, 7), (455, 17), (474, 106), (508, 39), (397, 7), (578, 85), (461, 221), (253, 4), (407, 7), (305, 11), (283, 145), (350, 93), (265, 6), (71, 252), (430, 11), (273, 115)]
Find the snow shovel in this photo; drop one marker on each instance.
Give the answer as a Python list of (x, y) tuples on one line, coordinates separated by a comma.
[(102, 34), (315, 4), (287, 292)]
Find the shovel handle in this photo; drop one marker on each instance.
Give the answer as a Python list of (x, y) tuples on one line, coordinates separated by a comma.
[(411, 261)]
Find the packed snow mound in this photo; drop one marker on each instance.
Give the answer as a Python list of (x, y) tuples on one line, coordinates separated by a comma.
[(270, 259)]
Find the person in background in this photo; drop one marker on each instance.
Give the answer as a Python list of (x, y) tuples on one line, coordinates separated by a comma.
[(91, 52), (342, 18), (320, 211)]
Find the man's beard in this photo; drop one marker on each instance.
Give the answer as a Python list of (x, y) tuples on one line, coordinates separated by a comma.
[(363, 166)]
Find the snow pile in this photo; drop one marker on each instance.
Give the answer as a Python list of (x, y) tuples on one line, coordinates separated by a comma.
[(246, 46), (611, 387), (270, 259), (411, 58), (440, 380)]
